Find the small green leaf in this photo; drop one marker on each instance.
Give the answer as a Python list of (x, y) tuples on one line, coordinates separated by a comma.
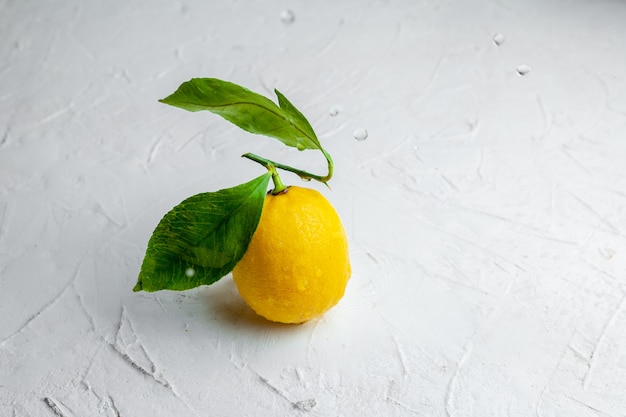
[(295, 117), (202, 239), (246, 109)]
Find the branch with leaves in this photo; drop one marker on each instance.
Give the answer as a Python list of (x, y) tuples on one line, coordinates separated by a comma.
[(201, 240)]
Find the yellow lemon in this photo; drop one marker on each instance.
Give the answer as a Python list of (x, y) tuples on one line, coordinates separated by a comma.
[(297, 264)]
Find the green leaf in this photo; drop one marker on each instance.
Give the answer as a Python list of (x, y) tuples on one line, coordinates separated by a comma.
[(296, 118), (202, 239), (246, 109)]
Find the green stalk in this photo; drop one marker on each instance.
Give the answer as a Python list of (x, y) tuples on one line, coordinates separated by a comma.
[(278, 185)]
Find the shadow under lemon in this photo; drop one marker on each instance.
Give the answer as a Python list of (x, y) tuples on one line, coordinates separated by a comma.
[(224, 303)]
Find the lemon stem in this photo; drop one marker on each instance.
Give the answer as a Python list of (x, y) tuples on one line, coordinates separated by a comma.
[(279, 187), (307, 176)]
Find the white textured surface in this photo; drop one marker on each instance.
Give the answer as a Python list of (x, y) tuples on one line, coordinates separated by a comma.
[(486, 210)]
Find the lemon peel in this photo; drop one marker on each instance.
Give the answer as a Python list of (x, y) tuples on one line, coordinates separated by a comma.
[(297, 265)]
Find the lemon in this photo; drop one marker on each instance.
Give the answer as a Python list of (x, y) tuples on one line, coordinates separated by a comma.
[(297, 264)]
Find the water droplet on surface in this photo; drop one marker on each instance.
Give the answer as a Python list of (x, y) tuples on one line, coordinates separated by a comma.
[(360, 134), (523, 69), (333, 111), (190, 272), (300, 146), (287, 16), (498, 39)]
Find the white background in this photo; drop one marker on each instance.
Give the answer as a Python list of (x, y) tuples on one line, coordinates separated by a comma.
[(486, 210)]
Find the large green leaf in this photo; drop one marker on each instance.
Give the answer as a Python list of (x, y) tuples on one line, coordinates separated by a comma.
[(246, 109), (202, 239)]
